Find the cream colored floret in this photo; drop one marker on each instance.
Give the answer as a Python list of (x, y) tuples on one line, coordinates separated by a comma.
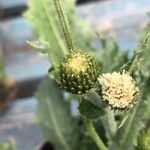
[(118, 89)]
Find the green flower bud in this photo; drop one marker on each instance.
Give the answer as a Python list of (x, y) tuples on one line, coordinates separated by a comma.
[(78, 72), (143, 140)]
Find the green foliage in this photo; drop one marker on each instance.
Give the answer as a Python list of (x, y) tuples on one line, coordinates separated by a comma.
[(134, 64), (125, 137), (6, 146), (144, 140), (90, 111), (111, 57), (44, 20), (53, 113), (39, 44), (59, 127), (145, 63), (136, 117)]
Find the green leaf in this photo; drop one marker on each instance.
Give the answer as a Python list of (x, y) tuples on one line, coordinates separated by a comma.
[(42, 16), (135, 62), (94, 98), (111, 57), (137, 118), (39, 44), (89, 110), (54, 116), (126, 135)]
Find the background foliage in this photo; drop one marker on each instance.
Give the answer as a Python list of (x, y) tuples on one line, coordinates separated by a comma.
[(119, 130)]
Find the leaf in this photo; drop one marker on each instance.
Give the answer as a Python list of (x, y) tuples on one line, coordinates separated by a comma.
[(94, 98), (112, 58), (91, 105), (54, 116), (126, 135), (43, 18), (39, 44), (89, 110), (135, 62)]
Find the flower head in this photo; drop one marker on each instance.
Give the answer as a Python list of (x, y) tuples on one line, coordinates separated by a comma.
[(118, 89), (78, 72)]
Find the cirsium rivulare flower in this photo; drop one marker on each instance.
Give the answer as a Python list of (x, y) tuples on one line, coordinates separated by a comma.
[(118, 90), (78, 72)]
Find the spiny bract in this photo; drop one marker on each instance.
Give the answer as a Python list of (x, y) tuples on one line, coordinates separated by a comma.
[(78, 72), (118, 89)]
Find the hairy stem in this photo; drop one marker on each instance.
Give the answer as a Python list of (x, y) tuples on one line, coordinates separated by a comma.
[(111, 122), (92, 132), (64, 24)]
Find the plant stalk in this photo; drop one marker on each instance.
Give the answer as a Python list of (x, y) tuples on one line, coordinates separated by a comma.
[(64, 24), (111, 122), (92, 132)]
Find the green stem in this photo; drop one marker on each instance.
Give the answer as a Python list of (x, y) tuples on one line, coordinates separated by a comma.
[(64, 24), (111, 121), (94, 135), (109, 124)]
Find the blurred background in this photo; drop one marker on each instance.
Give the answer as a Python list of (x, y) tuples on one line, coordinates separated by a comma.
[(25, 68)]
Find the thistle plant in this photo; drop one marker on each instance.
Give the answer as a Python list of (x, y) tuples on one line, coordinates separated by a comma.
[(119, 90), (109, 86)]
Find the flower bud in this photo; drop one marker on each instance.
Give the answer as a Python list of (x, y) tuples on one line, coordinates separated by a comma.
[(78, 72), (143, 140), (118, 90)]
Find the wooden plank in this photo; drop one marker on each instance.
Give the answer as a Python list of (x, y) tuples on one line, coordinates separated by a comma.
[(9, 13)]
